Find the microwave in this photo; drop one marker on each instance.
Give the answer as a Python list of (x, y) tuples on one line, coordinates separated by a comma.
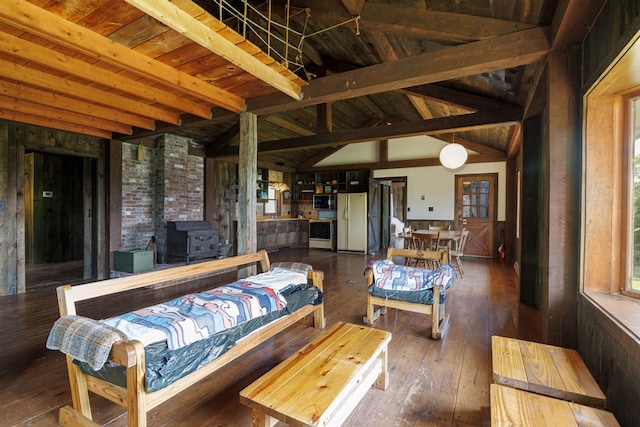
[(324, 201)]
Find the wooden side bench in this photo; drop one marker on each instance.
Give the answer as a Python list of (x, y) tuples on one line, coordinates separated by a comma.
[(322, 383), (513, 407), (545, 369)]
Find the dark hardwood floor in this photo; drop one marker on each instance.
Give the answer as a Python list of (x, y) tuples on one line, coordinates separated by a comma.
[(432, 383)]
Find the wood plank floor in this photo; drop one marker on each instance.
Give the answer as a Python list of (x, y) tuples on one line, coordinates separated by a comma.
[(432, 383)]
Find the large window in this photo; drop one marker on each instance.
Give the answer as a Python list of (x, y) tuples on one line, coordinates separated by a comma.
[(610, 259), (633, 271)]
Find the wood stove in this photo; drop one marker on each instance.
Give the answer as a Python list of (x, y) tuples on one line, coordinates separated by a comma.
[(191, 240)]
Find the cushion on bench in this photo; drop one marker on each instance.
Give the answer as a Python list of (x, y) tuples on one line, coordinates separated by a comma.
[(390, 276)]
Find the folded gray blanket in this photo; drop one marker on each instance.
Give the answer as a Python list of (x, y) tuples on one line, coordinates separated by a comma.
[(84, 339)]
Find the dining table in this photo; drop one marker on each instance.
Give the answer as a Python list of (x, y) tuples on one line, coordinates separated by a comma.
[(449, 236)]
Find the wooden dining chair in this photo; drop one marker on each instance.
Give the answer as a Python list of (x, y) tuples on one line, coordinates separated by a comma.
[(440, 245), (407, 236), (458, 252), (424, 242)]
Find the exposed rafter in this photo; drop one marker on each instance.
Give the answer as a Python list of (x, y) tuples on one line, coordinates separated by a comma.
[(498, 53), (505, 117), (186, 18), (417, 23), (27, 16)]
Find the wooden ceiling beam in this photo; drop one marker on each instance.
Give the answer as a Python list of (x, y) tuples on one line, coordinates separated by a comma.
[(44, 56), (188, 121), (31, 18), (198, 25), (418, 23), (498, 53), (572, 21), (65, 103), (505, 117), (288, 125), (32, 119), (455, 98), (354, 6), (473, 146), (388, 54), (399, 164), (34, 77), (21, 106)]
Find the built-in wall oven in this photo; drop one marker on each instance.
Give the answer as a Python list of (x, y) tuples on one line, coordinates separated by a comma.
[(321, 233)]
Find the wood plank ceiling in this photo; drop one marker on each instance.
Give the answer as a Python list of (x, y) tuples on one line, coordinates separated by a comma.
[(369, 70)]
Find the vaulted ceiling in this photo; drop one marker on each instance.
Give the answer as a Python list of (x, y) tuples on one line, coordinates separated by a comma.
[(356, 71)]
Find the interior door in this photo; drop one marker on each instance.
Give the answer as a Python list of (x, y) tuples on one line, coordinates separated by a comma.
[(476, 211)]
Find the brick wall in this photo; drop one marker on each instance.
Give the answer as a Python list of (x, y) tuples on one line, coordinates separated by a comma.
[(138, 197), (168, 185)]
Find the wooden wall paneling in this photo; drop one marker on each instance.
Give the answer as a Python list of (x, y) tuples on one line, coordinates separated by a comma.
[(89, 212), (219, 198), (612, 357), (57, 216), (511, 210), (114, 197), (529, 267), (12, 278), (101, 260), (28, 205)]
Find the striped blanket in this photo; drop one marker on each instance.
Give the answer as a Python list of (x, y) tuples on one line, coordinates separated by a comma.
[(390, 276), (197, 316)]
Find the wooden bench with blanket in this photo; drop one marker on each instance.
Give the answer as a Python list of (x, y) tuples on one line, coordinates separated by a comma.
[(409, 288), (121, 369)]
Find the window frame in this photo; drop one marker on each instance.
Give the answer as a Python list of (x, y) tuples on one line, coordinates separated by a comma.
[(604, 248), (629, 141)]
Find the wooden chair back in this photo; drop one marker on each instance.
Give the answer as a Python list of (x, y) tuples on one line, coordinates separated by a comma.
[(427, 258), (422, 242), (439, 227), (461, 243)]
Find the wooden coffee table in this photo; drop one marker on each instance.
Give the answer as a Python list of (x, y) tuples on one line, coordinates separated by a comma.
[(322, 383), (545, 369)]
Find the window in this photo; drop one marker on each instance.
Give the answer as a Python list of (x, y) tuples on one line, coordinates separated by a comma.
[(633, 271), (475, 199), (611, 181)]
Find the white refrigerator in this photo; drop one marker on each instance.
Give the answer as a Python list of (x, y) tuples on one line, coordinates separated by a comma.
[(352, 222)]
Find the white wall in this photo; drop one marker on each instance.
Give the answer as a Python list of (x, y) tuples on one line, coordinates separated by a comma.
[(435, 183)]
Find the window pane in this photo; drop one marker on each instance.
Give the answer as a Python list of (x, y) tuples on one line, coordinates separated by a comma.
[(635, 106)]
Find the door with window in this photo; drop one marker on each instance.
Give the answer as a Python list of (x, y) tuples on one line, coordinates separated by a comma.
[(476, 211)]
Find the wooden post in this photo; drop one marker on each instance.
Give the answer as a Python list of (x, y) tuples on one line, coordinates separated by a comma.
[(247, 179), (561, 210)]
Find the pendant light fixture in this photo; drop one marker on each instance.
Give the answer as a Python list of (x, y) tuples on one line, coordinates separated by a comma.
[(453, 155)]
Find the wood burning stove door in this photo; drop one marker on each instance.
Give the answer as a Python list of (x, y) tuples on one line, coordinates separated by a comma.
[(202, 244)]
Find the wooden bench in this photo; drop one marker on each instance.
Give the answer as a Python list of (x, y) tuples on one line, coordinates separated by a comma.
[(322, 383), (131, 354), (545, 369), (513, 407)]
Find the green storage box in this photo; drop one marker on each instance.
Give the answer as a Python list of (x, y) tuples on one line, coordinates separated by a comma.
[(134, 261)]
